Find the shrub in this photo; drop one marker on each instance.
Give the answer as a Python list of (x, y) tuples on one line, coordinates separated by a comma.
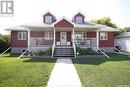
[(85, 51), (47, 52), (4, 42)]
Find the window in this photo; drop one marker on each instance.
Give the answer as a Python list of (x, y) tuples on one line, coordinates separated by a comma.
[(79, 20), (48, 19), (79, 35), (22, 36), (49, 35), (103, 35)]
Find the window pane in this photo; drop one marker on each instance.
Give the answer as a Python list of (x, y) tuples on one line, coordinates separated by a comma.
[(21, 35), (48, 19), (103, 36), (24, 35), (79, 20), (48, 35)]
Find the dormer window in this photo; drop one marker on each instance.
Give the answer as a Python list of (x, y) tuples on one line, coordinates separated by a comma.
[(48, 19), (79, 19)]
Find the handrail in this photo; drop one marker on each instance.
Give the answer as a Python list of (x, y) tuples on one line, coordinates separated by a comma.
[(74, 49), (118, 50), (53, 48), (5, 51), (103, 53), (23, 53)]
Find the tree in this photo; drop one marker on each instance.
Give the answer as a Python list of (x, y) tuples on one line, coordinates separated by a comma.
[(105, 21), (122, 30), (4, 42)]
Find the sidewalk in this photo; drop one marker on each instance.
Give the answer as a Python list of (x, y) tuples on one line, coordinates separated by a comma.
[(64, 75)]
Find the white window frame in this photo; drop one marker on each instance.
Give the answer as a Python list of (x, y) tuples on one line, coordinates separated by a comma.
[(22, 35), (48, 19), (79, 19), (82, 35), (103, 35), (48, 35)]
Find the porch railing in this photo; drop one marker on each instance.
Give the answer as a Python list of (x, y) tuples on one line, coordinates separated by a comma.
[(87, 42), (39, 41)]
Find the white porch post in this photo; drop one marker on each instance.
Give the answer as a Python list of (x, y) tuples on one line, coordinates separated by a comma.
[(54, 35), (28, 38), (97, 35), (73, 35)]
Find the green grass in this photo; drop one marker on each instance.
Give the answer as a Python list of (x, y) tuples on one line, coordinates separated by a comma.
[(103, 72), (24, 72)]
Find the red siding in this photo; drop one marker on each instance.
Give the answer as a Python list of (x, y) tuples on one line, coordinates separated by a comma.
[(49, 14), (69, 36), (37, 34), (63, 23), (91, 34), (79, 14), (109, 42), (17, 43), (57, 36)]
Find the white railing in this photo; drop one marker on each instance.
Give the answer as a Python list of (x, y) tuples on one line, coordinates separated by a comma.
[(87, 42), (40, 41), (103, 53), (23, 53), (5, 51), (74, 49), (118, 50)]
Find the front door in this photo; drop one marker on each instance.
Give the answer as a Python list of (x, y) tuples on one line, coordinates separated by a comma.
[(63, 38)]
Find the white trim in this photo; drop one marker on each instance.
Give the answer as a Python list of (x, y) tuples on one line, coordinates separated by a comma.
[(80, 13), (105, 37), (97, 35), (47, 35), (53, 24), (21, 34), (65, 43), (48, 19), (28, 38), (79, 19), (50, 13)]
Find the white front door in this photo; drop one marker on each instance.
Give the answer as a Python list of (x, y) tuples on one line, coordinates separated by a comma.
[(63, 38)]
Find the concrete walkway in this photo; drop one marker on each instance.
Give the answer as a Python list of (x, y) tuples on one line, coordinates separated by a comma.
[(64, 75)]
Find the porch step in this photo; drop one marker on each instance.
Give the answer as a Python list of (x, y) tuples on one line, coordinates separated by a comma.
[(63, 52)]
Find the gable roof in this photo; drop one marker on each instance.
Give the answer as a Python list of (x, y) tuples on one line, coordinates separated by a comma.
[(63, 18)]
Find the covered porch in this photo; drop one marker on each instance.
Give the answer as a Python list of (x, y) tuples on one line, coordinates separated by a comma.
[(82, 37)]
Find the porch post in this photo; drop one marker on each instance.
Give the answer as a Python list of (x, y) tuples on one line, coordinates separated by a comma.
[(97, 35), (54, 35), (28, 38), (73, 35)]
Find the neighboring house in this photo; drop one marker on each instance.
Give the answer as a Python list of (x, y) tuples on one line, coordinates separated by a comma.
[(122, 42), (63, 33)]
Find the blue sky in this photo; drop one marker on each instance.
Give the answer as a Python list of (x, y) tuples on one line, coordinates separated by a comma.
[(32, 10)]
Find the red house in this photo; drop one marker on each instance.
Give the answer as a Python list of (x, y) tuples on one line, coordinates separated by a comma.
[(61, 35)]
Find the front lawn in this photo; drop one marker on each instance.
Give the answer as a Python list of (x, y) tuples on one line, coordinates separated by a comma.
[(24, 72), (103, 72)]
